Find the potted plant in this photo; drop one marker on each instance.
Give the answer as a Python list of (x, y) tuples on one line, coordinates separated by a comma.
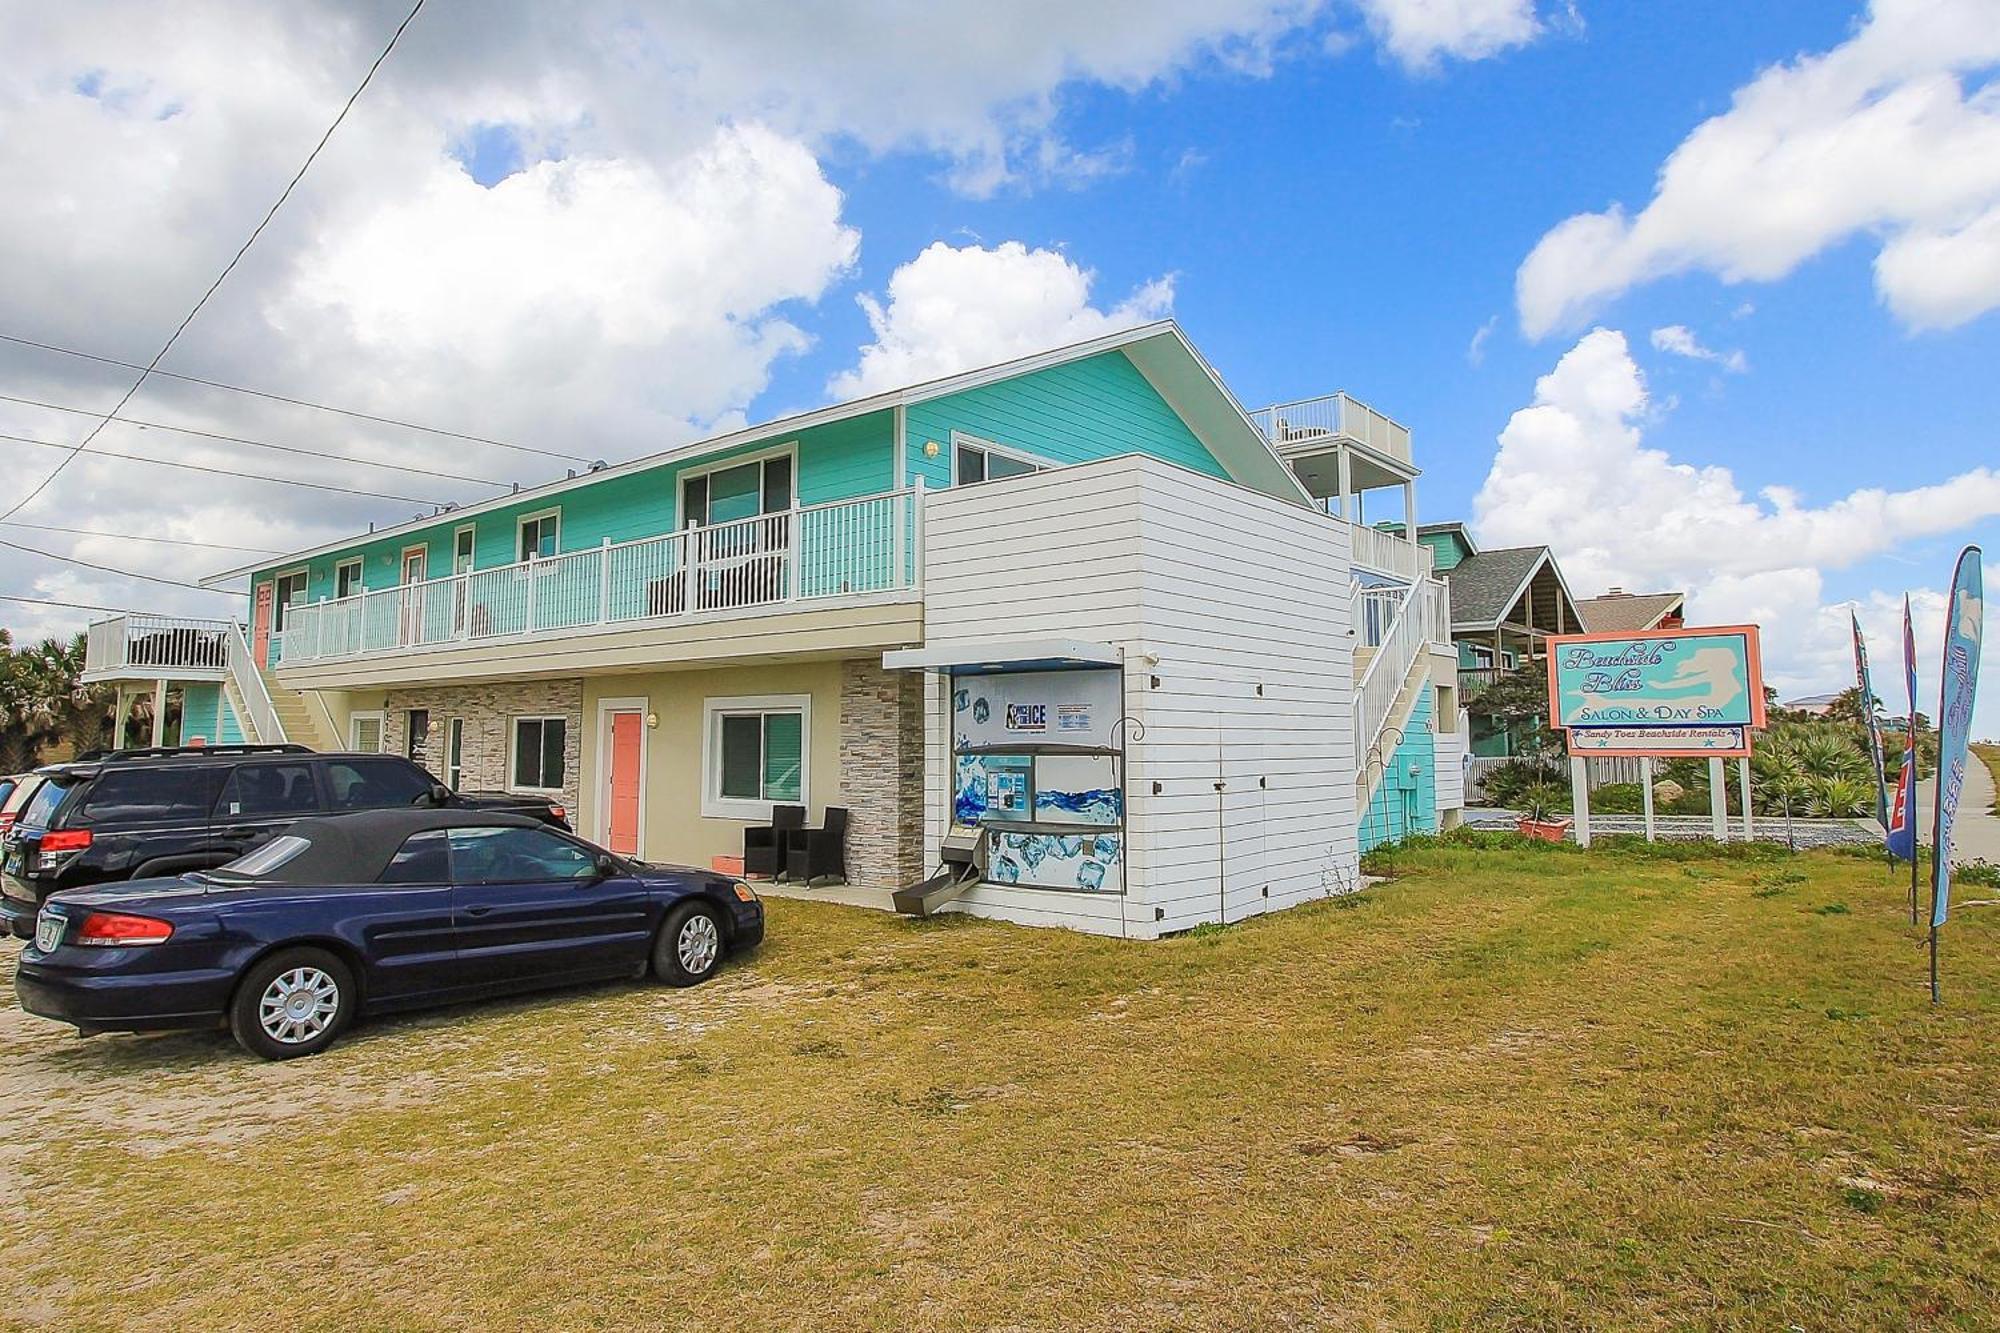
[(1540, 818)]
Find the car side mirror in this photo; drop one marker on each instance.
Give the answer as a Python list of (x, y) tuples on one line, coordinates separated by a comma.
[(606, 867), (440, 794)]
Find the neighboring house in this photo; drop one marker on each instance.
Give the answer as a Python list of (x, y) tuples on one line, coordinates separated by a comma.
[(1081, 600), (1621, 612), (1816, 705), (1505, 604)]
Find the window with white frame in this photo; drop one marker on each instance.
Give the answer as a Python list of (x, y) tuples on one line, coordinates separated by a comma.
[(290, 591), (975, 460), (536, 761), (541, 534), (461, 550), (454, 752), (741, 490), (347, 577), (756, 753), (364, 731)]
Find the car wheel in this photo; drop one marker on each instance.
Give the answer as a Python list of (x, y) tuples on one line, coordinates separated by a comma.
[(293, 1003), (690, 945)]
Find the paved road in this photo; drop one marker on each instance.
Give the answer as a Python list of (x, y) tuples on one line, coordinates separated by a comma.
[(1975, 835)]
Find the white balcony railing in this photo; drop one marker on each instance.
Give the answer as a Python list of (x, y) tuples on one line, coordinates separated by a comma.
[(1422, 620), (1335, 414), (164, 645), (796, 555), (1388, 553)]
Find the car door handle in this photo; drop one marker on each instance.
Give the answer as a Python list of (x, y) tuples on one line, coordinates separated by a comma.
[(241, 831), (477, 911)]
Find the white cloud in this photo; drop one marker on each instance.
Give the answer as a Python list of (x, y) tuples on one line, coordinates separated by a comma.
[(1880, 136), (635, 279), (1420, 33), (1573, 472), (1475, 351), (1680, 340), (952, 309)]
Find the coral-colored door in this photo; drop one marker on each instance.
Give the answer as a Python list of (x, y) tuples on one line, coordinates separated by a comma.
[(260, 622), (628, 732)]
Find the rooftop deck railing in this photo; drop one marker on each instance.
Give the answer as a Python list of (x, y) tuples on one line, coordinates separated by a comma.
[(1332, 415), (157, 643), (804, 554)]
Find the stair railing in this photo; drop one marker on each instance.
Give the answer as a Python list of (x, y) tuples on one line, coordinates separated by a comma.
[(249, 682)]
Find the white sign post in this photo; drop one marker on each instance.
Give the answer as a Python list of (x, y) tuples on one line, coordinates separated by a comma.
[(1718, 800), (1579, 797), (1646, 791)]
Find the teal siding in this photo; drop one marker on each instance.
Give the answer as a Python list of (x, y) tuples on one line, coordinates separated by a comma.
[(1405, 799), (1447, 548), (230, 726), (1099, 407), (842, 460), (201, 706)]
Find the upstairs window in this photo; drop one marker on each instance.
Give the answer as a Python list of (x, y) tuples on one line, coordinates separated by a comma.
[(290, 591), (974, 461), (761, 486), (540, 534), (347, 578)]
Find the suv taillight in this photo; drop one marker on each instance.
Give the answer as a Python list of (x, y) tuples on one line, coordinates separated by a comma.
[(557, 811), (66, 840), (119, 928)]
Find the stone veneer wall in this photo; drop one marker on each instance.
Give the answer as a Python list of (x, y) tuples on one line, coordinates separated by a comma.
[(488, 710), (882, 772)]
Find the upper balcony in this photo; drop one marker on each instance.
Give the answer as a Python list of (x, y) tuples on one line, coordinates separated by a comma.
[(703, 592), (1315, 425), (1341, 449), (142, 647)]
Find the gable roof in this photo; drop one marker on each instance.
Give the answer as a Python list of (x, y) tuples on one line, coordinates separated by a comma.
[(1619, 611), (1486, 584), (1161, 352)]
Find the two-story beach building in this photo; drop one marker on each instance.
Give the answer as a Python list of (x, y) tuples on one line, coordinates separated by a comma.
[(1082, 604)]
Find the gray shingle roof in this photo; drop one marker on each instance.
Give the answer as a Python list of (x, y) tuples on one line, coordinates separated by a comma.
[(1483, 586)]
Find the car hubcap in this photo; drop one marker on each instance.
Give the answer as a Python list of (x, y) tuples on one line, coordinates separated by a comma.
[(698, 945), (298, 1005)]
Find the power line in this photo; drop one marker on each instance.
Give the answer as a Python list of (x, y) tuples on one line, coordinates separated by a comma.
[(109, 569), (227, 269), (70, 606), (295, 402), (75, 449), (135, 537), (255, 444)]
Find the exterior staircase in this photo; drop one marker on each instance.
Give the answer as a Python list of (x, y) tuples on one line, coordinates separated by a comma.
[(302, 721)]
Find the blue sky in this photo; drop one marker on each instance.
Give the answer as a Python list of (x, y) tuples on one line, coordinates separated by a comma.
[(1702, 295), (1347, 224)]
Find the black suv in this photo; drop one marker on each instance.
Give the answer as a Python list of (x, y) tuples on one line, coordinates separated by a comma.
[(134, 813)]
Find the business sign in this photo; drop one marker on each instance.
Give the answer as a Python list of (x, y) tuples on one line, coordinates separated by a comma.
[(1009, 709), (1701, 690), (1669, 742), (1964, 621)]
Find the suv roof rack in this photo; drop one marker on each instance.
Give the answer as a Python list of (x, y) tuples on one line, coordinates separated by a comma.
[(182, 751)]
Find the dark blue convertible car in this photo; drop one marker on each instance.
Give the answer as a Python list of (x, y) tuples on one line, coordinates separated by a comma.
[(367, 913)]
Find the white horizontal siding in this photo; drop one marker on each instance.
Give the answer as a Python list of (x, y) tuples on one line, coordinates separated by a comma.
[(1231, 591)]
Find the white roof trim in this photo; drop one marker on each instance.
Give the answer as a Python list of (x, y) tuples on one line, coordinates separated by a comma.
[(1001, 653), (903, 397)]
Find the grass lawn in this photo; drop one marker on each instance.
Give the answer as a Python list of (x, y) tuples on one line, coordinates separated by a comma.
[(1990, 756), (1540, 1088)]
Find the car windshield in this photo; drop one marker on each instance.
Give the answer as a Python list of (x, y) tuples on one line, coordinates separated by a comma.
[(42, 805), (277, 852)]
